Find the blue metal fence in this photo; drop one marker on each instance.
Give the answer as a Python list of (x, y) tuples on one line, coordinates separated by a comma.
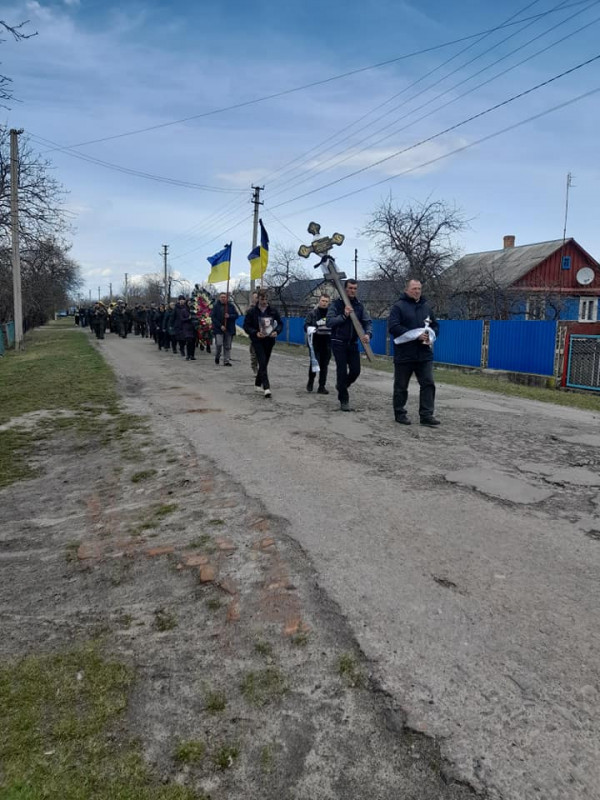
[(522, 346), (514, 345), (459, 342)]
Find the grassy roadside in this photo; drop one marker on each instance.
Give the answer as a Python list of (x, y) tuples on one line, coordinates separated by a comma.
[(473, 380), (59, 723), (61, 375)]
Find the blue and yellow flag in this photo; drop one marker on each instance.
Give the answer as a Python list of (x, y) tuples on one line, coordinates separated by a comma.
[(259, 257), (221, 264)]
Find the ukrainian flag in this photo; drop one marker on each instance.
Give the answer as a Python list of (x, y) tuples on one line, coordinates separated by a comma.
[(259, 257), (221, 264)]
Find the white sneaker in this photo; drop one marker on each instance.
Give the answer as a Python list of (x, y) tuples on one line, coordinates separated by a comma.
[(267, 393), (258, 389)]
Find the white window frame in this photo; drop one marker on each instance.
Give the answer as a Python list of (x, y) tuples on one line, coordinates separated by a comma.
[(588, 309)]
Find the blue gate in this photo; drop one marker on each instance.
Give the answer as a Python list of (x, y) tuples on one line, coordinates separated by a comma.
[(522, 346), (583, 365)]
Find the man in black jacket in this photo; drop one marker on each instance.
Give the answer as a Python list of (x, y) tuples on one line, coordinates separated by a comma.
[(409, 320), (263, 324), (344, 340), (223, 317)]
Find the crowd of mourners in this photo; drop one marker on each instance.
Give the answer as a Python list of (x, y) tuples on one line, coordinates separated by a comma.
[(183, 326)]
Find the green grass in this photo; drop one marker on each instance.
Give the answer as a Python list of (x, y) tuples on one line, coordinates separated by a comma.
[(225, 757), (143, 475), (476, 380), (153, 517), (190, 752), (348, 669), (59, 369), (62, 732), (215, 702), (260, 688), (164, 620)]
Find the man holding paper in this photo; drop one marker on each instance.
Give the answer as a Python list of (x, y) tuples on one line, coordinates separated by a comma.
[(414, 328)]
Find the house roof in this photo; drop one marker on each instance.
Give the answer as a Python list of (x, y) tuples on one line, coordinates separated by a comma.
[(297, 291), (506, 265)]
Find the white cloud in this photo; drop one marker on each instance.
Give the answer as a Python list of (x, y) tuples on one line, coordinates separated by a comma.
[(72, 2)]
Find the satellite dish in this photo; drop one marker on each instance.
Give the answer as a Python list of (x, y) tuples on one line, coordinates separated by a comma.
[(585, 276)]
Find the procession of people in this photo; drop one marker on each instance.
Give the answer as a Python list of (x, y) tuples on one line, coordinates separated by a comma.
[(335, 328)]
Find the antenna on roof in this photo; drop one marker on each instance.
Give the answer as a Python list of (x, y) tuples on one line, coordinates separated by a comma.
[(569, 184)]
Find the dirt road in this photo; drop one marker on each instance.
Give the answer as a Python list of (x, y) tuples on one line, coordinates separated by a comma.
[(465, 559)]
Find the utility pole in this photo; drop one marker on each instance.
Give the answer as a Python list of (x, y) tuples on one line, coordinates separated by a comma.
[(90, 296), (167, 291), (14, 220), (257, 202), (126, 300), (569, 184), (110, 291), (98, 294), (355, 264)]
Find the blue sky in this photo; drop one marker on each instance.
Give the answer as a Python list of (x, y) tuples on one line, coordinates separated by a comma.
[(98, 69)]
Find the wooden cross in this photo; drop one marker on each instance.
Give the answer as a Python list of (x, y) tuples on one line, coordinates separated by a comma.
[(321, 246)]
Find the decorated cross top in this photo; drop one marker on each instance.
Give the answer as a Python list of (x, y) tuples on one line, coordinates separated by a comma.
[(321, 246)]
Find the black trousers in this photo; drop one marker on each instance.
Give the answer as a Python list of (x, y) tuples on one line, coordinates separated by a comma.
[(402, 375), (263, 349), (190, 348), (322, 348), (347, 362)]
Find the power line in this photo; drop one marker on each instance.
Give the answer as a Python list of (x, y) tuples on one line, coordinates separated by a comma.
[(352, 152), (310, 85), (435, 160), (284, 168), (134, 172), (445, 131), (283, 225)]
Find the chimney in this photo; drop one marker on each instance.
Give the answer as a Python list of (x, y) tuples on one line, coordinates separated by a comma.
[(509, 241)]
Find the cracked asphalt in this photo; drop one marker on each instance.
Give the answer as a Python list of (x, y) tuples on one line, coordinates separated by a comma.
[(465, 559)]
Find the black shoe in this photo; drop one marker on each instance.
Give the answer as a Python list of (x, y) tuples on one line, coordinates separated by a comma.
[(309, 386), (217, 359), (322, 390), (431, 422), (187, 358), (402, 419), (345, 407), (207, 348), (228, 364), (192, 358)]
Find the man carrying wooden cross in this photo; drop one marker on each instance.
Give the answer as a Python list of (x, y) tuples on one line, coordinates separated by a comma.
[(344, 339)]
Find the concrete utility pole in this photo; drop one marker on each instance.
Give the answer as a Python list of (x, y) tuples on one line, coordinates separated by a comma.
[(110, 291), (90, 295), (14, 220), (126, 288), (98, 294), (257, 202), (167, 292)]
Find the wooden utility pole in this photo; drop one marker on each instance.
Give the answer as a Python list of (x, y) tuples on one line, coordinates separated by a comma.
[(167, 292), (257, 202), (14, 220)]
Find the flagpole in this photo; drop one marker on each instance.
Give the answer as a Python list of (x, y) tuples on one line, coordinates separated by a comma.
[(225, 314)]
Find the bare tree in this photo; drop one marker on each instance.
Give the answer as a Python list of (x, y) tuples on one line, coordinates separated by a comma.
[(284, 269), (18, 34), (41, 196), (48, 276), (415, 241)]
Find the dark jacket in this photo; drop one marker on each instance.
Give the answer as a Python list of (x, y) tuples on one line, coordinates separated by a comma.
[(183, 323), (317, 318), (342, 329), (218, 314), (406, 315), (252, 324)]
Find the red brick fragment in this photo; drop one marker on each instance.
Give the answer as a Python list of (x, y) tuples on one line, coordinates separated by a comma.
[(195, 561), (160, 551), (88, 550), (267, 542), (260, 524), (225, 545), (207, 574), (228, 585)]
